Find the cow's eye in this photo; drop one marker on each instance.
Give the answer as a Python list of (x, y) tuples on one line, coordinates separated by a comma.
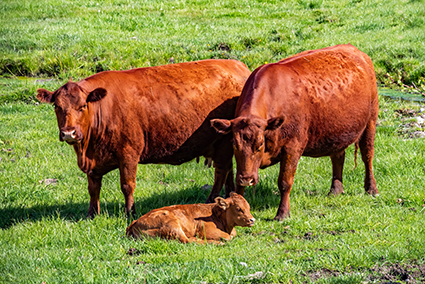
[(240, 210), (83, 108), (261, 146)]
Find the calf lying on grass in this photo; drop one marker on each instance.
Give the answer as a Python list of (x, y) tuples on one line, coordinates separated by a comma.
[(195, 222)]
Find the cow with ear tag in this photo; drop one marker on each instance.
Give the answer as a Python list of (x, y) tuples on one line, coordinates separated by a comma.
[(315, 104), (195, 222), (162, 114)]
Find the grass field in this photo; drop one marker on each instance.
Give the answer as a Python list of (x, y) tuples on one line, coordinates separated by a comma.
[(352, 238)]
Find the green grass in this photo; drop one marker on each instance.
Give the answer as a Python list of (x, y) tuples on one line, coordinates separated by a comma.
[(64, 39), (45, 236)]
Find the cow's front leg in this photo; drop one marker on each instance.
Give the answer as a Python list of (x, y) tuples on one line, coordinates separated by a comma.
[(288, 167), (128, 172), (337, 168), (95, 183)]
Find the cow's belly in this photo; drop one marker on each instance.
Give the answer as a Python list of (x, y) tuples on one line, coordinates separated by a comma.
[(331, 142)]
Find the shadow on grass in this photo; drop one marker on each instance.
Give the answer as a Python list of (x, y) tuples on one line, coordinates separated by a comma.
[(263, 197), (75, 211)]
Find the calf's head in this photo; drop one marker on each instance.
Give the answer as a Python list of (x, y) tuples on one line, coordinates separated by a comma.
[(237, 210), (72, 108), (248, 143)]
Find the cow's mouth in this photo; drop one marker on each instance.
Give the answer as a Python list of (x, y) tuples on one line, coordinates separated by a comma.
[(72, 142)]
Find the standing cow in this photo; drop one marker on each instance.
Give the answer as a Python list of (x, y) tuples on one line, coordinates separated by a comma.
[(117, 119), (314, 104)]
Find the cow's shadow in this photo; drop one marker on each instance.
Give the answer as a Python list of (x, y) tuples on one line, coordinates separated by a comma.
[(75, 211)]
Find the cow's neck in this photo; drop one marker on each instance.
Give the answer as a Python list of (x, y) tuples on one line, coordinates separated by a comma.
[(85, 150)]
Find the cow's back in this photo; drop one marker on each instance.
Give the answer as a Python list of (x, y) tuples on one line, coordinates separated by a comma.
[(167, 108)]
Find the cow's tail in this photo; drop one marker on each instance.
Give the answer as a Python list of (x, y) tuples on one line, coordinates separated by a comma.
[(356, 148)]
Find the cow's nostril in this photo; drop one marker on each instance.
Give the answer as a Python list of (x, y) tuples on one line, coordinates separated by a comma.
[(73, 132)]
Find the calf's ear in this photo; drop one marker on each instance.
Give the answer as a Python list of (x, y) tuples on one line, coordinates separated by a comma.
[(222, 126), (45, 96), (221, 203), (275, 122), (96, 95), (233, 194)]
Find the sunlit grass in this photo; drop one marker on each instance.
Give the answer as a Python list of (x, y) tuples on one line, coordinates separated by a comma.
[(45, 236)]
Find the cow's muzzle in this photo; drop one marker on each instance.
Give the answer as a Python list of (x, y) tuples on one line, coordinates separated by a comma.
[(246, 181), (251, 222), (70, 136)]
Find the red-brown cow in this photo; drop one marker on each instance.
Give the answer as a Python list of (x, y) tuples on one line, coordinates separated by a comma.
[(195, 222), (315, 104), (117, 119)]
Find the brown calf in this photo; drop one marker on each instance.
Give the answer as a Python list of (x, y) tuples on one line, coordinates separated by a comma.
[(195, 222)]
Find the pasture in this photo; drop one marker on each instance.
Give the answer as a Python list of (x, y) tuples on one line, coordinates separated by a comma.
[(352, 238)]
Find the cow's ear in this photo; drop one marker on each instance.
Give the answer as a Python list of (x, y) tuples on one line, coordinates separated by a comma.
[(96, 95), (221, 202), (233, 194), (275, 122), (222, 126), (45, 96)]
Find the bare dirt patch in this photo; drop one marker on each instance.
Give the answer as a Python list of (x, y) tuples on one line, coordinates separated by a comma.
[(394, 273)]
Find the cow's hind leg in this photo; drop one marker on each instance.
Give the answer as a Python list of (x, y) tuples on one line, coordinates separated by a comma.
[(223, 154), (366, 145), (337, 168), (230, 182)]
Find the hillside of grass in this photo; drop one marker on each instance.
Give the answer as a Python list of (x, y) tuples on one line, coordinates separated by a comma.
[(63, 39)]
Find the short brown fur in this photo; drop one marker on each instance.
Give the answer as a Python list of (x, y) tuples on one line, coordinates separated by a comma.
[(315, 104), (195, 222), (117, 119)]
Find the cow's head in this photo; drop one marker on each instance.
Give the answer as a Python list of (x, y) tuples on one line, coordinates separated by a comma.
[(237, 210), (249, 143), (72, 106)]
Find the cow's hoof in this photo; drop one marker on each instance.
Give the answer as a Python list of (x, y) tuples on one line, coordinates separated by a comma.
[(373, 192), (336, 188), (281, 217), (209, 201), (335, 192)]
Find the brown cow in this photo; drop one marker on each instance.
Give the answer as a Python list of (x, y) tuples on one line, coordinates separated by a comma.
[(195, 222), (312, 104), (117, 119)]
